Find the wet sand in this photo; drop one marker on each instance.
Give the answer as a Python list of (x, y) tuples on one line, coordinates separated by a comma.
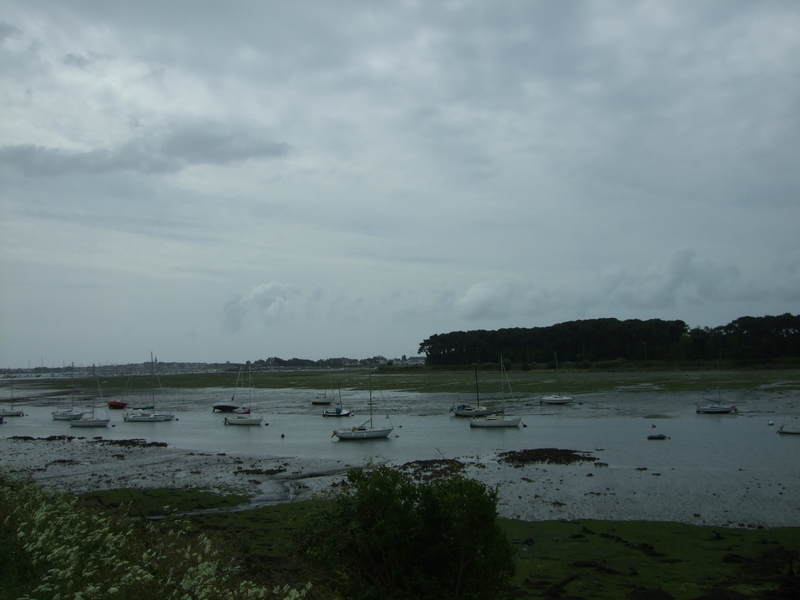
[(590, 489)]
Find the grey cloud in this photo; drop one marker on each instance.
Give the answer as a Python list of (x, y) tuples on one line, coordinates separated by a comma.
[(682, 280), (8, 31), (274, 301), (81, 61), (233, 313), (197, 146), (148, 154)]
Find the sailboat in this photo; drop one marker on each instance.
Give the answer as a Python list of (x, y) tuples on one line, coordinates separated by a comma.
[(121, 404), (322, 399), (467, 410), (558, 398), (716, 407), (89, 419), (338, 411), (367, 429), (231, 406), (72, 413), (11, 412), (242, 415), (243, 419), (787, 429), (501, 419), (149, 414)]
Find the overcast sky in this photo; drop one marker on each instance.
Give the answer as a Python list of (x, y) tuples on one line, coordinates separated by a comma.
[(233, 181)]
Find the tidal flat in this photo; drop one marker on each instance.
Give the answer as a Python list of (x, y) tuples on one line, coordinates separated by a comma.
[(729, 474)]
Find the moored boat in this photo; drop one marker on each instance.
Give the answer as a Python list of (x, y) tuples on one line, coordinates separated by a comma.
[(90, 419), (556, 399), (243, 419), (468, 410), (149, 414), (367, 429), (499, 419), (496, 420), (225, 406), (72, 413), (789, 429), (11, 412)]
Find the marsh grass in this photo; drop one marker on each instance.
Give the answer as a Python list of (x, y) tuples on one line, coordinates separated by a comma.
[(602, 559), (149, 503), (577, 559), (628, 378)]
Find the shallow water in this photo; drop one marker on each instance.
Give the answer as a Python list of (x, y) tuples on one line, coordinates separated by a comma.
[(611, 426)]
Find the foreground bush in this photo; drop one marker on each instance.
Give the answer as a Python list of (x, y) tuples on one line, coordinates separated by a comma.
[(385, 535), (53, 547)]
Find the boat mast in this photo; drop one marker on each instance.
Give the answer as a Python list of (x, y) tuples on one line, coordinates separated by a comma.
[(477, 390), (370, 400)]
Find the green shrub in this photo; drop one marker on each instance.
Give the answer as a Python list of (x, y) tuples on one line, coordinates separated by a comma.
[(385, 535)]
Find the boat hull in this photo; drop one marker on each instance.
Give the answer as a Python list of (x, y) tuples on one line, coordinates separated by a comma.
[(789, 430), (90, 422), (148, 418), (11, 413), (66, 415), (243, 421), (357, 433), (116, 404), (557, 400), (473, 411), (338, 412), (225, 407), (495, 421), (715, 410)]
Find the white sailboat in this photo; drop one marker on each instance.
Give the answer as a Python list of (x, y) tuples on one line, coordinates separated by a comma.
[(789, 429), (242, 414), (468, 410), (72, 413), (367, 429), (338, 411), (558, 398), (149, 414), (716, 407), (11, 412), (498, 419), (243, 419), (323, 399), (90, 419)]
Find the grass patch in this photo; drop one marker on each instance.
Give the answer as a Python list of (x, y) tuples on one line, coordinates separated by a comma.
[(554, 559), (576, 381), (633, 559), (148, 503)]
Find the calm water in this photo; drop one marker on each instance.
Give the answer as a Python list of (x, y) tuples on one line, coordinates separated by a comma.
[(612, 427)]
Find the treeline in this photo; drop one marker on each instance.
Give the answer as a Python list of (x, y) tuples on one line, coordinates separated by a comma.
[(592, 340), (275, 361)]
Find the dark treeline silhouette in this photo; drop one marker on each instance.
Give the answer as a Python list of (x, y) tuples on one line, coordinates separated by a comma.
[(592, 340)]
